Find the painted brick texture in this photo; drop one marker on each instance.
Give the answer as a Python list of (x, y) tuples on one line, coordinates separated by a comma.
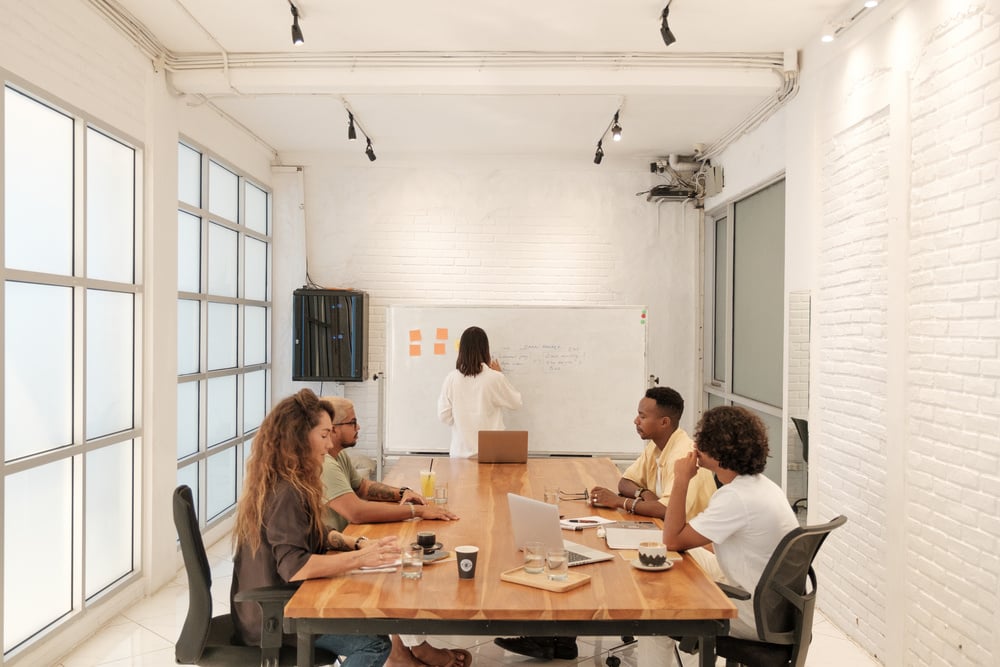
[(953, 466), (851, 389)]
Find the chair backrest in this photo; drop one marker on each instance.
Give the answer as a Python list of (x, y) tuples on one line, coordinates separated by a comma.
[(782, 605), (802, 428), (191, 642)]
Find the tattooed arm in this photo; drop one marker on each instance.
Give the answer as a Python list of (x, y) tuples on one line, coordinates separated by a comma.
[(383, 493)]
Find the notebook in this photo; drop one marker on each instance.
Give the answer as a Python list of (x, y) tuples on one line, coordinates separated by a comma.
[(628, 534), (535, 521), (503, 446)]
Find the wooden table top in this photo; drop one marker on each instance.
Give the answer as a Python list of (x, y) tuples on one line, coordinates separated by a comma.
[(478, 494)]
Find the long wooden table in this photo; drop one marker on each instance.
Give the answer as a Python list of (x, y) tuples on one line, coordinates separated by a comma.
[(619, 600)]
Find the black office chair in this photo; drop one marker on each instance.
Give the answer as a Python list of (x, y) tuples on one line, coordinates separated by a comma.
[(208, 640), (782, 604)]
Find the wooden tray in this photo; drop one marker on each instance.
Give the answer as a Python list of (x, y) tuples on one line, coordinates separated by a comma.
[(519, 576)]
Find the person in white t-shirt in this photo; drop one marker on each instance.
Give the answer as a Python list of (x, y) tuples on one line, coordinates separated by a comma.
[(746, 517), (474, 394)]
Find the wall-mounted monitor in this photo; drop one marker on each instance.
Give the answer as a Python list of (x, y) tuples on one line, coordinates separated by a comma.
[(330, 335)]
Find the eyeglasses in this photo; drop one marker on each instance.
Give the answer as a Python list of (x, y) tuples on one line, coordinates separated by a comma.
[(353, 422)]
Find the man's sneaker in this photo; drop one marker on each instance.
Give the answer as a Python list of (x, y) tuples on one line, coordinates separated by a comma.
[(565, 648)]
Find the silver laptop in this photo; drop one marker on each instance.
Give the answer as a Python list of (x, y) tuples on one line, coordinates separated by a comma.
[(535, 521), (503, 446)]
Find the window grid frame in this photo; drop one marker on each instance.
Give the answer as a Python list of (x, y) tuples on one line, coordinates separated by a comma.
[(240, 441), (77, 281)]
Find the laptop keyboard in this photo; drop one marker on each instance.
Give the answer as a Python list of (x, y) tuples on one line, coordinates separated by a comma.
[(574, 557)]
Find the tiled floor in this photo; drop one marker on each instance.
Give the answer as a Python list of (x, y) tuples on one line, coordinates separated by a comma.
[(143, 636)]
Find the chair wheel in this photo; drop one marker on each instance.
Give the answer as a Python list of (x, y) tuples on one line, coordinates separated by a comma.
[(613, 661), (628, 639)]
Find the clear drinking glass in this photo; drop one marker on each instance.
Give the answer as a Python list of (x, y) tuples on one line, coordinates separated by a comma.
[(441, 494), (552, 495), (557, 564), (412, 561), (534, 557)]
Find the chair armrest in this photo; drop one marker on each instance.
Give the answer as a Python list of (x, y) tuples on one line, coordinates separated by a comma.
[(267, 594), (734, 592)]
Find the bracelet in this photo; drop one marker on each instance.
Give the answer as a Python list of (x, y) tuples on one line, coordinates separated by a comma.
[(358, 540), (638, 492), (634, 503)]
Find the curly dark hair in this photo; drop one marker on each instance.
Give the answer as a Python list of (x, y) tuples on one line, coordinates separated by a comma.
[(669, 401), (735, 437)]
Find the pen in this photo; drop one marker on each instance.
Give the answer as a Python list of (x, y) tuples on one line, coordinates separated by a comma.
[(581, 520)]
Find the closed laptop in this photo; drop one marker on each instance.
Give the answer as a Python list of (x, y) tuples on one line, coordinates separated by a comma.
[(503, 446)]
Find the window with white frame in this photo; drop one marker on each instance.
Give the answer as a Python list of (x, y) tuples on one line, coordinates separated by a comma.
[(71, 314), (744, 309), (223, 311)]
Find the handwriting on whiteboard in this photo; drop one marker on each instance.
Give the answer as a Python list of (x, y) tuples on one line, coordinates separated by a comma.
[(546, 357)]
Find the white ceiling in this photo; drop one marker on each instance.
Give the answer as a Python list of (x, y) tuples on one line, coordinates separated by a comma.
[(480, 77)]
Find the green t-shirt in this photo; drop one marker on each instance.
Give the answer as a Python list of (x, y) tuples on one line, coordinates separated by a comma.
[(339, 477)]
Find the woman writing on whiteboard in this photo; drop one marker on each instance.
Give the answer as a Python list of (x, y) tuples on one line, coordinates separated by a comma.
[(474, 394)]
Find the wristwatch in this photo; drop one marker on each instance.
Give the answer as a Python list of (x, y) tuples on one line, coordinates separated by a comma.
[(638, 493), (403, 490)]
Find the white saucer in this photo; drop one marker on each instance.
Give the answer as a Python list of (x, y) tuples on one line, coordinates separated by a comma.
[(648, 568)]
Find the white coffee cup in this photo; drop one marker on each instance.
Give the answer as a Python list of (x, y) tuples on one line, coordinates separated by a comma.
[(652, 554)]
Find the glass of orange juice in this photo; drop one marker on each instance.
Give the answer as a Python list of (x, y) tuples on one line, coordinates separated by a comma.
[(428, 479)]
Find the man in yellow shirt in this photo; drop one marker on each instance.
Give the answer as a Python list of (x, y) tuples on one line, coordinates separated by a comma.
[(645, 486), (643, 489)]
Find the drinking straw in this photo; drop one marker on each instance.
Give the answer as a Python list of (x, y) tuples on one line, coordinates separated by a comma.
[(432, 464)]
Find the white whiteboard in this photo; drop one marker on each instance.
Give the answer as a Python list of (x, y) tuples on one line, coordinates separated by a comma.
[(580, 370)]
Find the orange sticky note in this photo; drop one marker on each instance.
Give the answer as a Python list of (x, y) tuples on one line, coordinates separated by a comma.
[(415, 335), (442, 334), (414, 350), (438, 348)]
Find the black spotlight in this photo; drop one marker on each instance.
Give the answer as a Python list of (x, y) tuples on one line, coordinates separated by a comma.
[(351, 132), (296, 30), (369, 151), (599, 155), (668, 37)]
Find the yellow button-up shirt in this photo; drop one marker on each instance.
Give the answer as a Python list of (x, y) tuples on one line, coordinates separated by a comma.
[(654, 470)]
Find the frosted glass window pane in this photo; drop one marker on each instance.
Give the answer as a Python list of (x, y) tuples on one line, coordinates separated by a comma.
[(255, 340), (221, 409), (110, 362), (108, 524), (255, 270), (187, 419), (759, 294), (223, 192), (38, 186), (256, 209), (221, 482), (110, 209), (254, 399), (188, 336), (222, 263), (188, 175), (188, 476), (188, 252), (221, 336), (37, 582), (38, 388)]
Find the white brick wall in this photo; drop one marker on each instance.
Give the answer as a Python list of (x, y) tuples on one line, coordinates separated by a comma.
[(953, 346), (798, 390), (851, 303), (567, 234)]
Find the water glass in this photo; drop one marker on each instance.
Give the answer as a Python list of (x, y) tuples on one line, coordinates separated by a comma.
[(552, 495), (412, 561), (557, 564), (441, 494), (534, 557)]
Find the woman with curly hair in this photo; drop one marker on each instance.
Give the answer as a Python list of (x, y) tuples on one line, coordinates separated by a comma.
[(746, 517), (279, 535)]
